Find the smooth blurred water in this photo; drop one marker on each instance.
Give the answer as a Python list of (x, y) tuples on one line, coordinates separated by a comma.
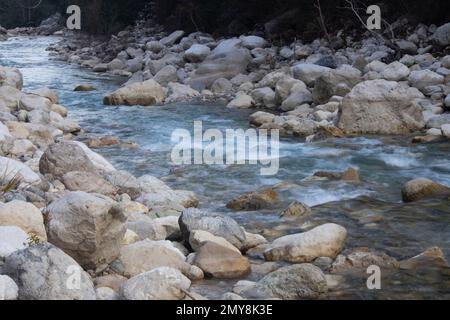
[(385, 163)]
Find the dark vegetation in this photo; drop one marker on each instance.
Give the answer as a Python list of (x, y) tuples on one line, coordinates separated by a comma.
[(279, 18)]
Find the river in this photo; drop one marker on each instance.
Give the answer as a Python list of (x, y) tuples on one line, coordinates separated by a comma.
[(385, 163)]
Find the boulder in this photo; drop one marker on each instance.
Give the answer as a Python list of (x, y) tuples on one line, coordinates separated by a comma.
[(147, 255), (44, 272), (23, 215), (221, 85), (9, 96), (98, 161), (30, 102), (11, 77), (220, 261), (381, 107), (89, 182), (252, 42), (430, 257), (144, 226), (88, 227), (198, 237), (446, 130), (227, 60), (12, 169), (105, 294), (11, 239), (124, 182), (336, 82), (8, 288), (308, 72), (360, 259), (264, 97), (172, 38), (241, 101), (326, 240), (197, 53), (145, 93), (442, 35), (85, 87), (438, 121), (158, 284), (298, 281), (296, 209), (421, 188), (166, 75), (64, 157), (254, 200), (217, 224), (180, 93), (395, 71), (424, 78)]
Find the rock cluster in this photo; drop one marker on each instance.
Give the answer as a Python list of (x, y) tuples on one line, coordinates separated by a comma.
[(305, 87)]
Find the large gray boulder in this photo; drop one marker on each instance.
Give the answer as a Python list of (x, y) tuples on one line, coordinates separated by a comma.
[(146, 255), (44, 272), (172, 38), (11, 239), (88, 227), (336, 82), (326, 240), (308, 72), (166, 75), (61, 158), (227, 60), (197, 53), (67, 156), (11, 77), (219, 225), (145, 93), (298, 281), (89, 182), (423, 78), (442, 34), (162, 283), (381, 107)]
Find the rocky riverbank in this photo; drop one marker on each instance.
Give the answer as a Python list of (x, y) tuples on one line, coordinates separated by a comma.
[(65, 207), (311, 90)]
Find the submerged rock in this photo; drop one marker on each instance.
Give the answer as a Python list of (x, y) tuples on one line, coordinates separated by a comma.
[(430, 257), (361, 259), (84, 87), (296, 209), (254, 200)]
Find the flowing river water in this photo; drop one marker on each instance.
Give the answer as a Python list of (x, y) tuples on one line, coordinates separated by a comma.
[(371, 211)]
